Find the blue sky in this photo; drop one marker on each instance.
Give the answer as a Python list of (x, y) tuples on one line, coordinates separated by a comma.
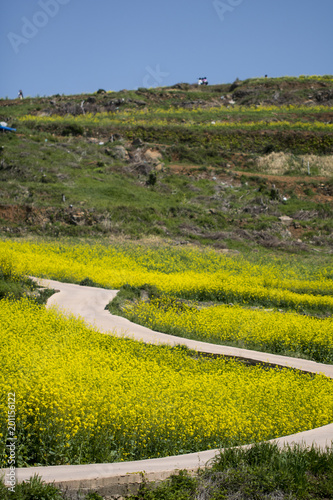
[(75, 46)]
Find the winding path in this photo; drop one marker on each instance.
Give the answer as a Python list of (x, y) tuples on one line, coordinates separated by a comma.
[(122, 478)]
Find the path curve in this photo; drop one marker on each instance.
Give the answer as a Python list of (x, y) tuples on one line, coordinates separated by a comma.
[(122, 478)]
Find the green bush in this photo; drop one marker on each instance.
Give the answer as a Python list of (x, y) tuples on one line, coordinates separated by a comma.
[(72, 129), (34, 489), (88, 282)]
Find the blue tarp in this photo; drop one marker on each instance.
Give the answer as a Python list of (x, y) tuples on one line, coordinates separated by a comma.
[(7, 128)]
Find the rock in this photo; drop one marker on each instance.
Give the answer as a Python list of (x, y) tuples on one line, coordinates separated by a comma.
[(119, 152), (285, 219), (153, 156), (286, 233), (159, 167), (143, 168), (137, 142), (78, 219), (325, 95), (239, 94), (234, 85)]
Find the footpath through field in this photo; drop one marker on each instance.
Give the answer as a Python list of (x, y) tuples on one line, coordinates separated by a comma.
[(122, 478)]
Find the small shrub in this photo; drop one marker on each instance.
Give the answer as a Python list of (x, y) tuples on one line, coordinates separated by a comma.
[(268, 149), (126, 293), (179, 486), (308, 191), (129, 293), (72, 129), (10, 289), (34, 489), (88, 282), (152, 178), (93, 496)]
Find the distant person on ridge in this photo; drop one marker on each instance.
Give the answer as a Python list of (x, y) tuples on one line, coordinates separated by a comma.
[(20, 94)]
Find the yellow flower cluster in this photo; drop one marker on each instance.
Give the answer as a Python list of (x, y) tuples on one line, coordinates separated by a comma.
[(222, 324), (188, 273), (172, 111), (245, 117), (86, 397), (263, 124), (162, 122)]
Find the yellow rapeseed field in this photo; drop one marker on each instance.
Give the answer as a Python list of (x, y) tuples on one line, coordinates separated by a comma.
[(86, 397), (199, 275), (188, 273), (262, 330)]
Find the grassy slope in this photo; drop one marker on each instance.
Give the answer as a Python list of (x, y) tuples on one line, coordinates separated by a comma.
[(209, 186)]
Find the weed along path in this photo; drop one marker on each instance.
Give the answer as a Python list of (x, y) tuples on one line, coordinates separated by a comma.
[(123, 478)]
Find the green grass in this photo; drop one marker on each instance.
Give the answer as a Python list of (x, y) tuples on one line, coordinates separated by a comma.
[(260, 472), (34, 489), (15, 287), (129, 293), (37, 489)]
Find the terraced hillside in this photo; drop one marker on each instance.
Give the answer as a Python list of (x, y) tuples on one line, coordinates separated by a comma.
[(243, 163)]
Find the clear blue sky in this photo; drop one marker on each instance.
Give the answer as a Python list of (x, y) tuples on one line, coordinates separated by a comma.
[(75, 46)]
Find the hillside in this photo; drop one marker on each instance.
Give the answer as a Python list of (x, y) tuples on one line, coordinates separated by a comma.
[(204, 215), (233, 165)]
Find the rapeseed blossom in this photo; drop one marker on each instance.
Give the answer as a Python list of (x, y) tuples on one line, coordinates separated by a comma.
[(255, 329), (188, 273), (82, 396)]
